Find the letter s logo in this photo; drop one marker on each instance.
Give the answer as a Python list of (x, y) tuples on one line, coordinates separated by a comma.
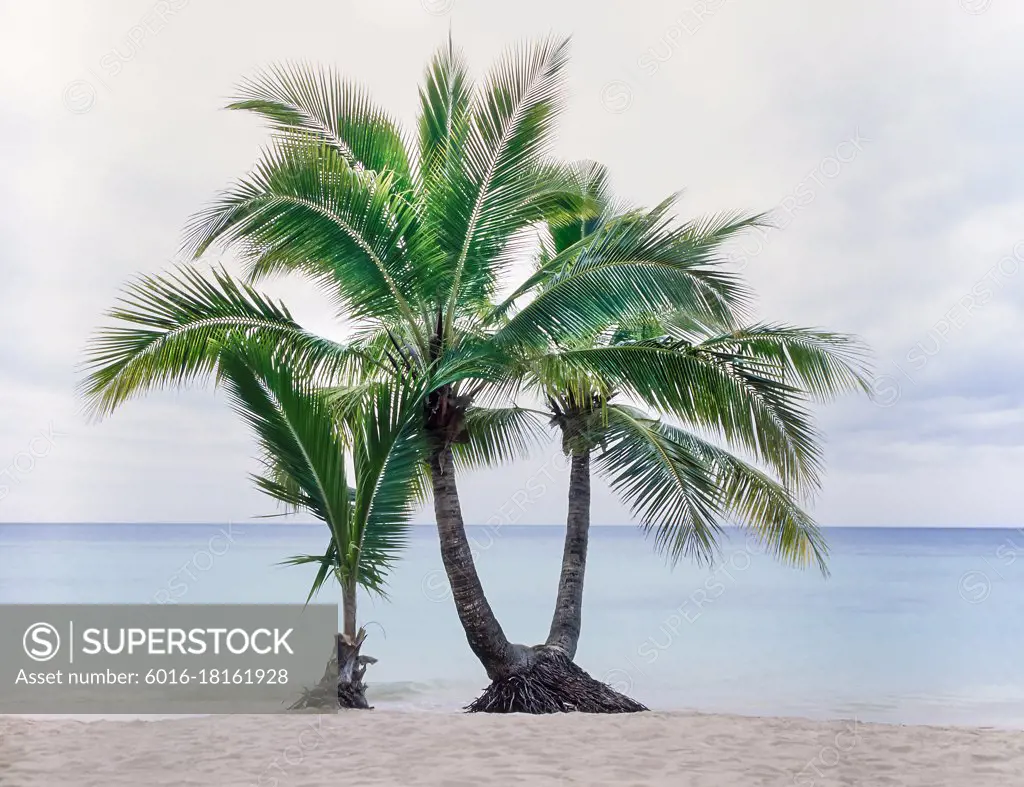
[(41, 642)]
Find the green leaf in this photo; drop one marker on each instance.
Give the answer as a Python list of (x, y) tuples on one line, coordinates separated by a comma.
[(628, 267), (732, 396), (488, 199), (389, 455), (498, 435), (305, 208), (593, 193), (671, 490), (304, 442), (297, 430), (303, 102), (821, 363), (329, 566), (171, 328), (684, 488), (745, 495)]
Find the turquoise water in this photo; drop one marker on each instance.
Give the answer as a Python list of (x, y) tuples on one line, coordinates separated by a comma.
[(914, 626)]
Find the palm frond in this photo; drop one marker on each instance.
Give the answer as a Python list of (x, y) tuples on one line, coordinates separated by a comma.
[(170, 330), (445, 99), (510, 133), (474, 360), (329, 565), (822, 363), (301, 101), (388, 456), (754, 501), (670, 490), (593, 191), (733, 396), (629, 266), (306, 209), (668, 473), (498, 435), (298, 432), (304, 444)]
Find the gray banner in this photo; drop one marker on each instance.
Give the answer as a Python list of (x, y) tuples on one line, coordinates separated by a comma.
[(146, 658)]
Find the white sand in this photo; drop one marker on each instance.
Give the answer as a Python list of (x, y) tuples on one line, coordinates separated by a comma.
[(393, 748)]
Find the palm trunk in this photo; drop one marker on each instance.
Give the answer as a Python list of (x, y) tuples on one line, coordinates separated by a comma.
[(348, 603), (541, 679), (351, 666), (342, 684), (567, 619), (486, 638)]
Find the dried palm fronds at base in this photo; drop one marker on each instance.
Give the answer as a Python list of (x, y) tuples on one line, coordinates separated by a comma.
[(340, 687)]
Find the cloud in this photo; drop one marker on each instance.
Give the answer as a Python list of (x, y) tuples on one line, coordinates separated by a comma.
[(115, 124)]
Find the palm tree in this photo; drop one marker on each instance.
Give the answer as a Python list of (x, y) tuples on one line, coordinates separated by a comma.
[(305, 439), (413, 240), (680, 486)]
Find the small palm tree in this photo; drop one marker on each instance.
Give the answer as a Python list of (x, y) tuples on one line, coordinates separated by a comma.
[(304, 439)]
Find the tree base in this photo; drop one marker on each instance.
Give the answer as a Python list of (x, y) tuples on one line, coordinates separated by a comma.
[(353, 696), (330, 695), (342, 684), (552, 684)]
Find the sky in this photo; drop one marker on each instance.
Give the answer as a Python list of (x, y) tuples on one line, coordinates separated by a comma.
[(885, 136)]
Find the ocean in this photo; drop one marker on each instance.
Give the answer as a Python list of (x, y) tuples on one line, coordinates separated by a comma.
[(915, 626)]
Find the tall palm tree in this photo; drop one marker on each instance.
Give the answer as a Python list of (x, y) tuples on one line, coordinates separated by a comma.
[(413, 239), (305, 438), (680, 486)]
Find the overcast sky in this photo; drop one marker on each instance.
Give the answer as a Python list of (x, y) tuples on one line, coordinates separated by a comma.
[(887, 135)]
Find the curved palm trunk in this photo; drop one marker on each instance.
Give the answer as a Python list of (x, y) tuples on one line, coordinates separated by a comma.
[(485, 635), (568, 617), (540, 679)]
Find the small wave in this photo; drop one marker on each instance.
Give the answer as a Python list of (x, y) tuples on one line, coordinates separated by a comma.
[(428, 695)]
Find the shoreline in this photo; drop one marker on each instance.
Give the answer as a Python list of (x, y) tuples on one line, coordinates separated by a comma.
[(418, 712), (387, 747)]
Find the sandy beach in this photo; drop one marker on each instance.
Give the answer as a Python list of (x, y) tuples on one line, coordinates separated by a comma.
[(392, 748)]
